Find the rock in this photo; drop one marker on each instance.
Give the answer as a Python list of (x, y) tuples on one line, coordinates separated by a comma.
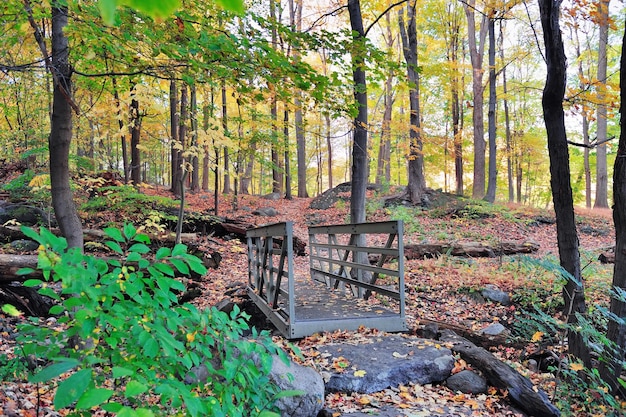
[(24, 215), (272, 196), (388, 361), (292, 376), (25, 245), (495, 294), (266, 211), (287, 376), (467, 382), (493, 329)]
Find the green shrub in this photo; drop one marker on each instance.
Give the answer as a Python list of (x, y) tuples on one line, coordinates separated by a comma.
[(18, 187), (410, 217), (129, 204), (123, 344)]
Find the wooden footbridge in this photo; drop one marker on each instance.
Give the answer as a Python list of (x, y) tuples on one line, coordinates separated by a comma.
[(356, 278)]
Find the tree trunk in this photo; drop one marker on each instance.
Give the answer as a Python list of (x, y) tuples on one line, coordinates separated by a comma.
[(454, 28), (61, 130), (195, 163), (416, 183), (567, 237), (206, 113), (385, 133), (135, 136), (601, 164), (611, 369), (329, 149), (507, 123), (226, 189), (288, 195), (120, 122), (493, 169), (359, 144), (476, 50), (175, 150)]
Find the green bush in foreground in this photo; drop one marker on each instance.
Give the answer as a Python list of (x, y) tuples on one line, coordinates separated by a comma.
[(123, 344)]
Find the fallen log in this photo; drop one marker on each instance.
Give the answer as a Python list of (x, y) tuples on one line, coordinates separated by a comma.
[(607, 258), (521, 391), (430, 329), (468, 249)]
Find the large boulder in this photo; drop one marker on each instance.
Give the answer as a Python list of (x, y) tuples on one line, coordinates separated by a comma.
[(387, 362), (291, 376)]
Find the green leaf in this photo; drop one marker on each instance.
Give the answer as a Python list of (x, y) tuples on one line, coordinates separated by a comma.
[(134, 388), (289, 393), (179, 250), (49, 292), (151, 348), (30, 233), (139, 248), (180, 265), (129, 229), (11, 310), (94, 397), (119, 372), (112, 232), (53, 371), (25, 271), (112, 407), (114, 246), (267, 413), (107, 10), (32, 282), (57, 309), (144, 412), (232, 5), (72, 388), (142, 238), (163, 253), (133, 257)]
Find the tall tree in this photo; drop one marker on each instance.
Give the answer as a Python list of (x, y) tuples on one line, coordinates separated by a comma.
[(383, 172), (360, 127), (416, 184), (554, 117), (135, 137), (60, 137), (612, 367), (175, 157), (507, 121), (477, 52), (226, 189), (491, 115), (601, 163)]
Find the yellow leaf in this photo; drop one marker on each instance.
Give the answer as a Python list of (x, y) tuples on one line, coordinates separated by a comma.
[(360, 373), (191, 337), (536, 337), (576, 366), (364, 400)]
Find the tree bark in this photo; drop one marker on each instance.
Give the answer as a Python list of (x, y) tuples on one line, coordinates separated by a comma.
[(567, 237), (175, 147), (195, 162), (416, 183), (601, 163), (226, 189), (135, 136), (61, 130), (611, 369), (491, 115), (359, 144), (476, 50), (520, 389), (507, 123)]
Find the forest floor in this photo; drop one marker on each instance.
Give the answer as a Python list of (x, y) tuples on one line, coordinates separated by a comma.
[(442, 289)]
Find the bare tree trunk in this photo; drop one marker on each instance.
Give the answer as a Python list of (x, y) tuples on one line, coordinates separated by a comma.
[(476, 55), (329, 147), (195, 164), (611, 369), (120, 122), (454, 28), (135, 138), (359, 145), (493, 168), (554, 116), (226, 165), (601, 163), (61, 130), (416, 184), (286, 152), (507, 123), (175, 121), (206, 114)]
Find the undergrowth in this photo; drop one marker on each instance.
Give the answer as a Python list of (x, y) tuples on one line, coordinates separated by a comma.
[(121, 342)]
